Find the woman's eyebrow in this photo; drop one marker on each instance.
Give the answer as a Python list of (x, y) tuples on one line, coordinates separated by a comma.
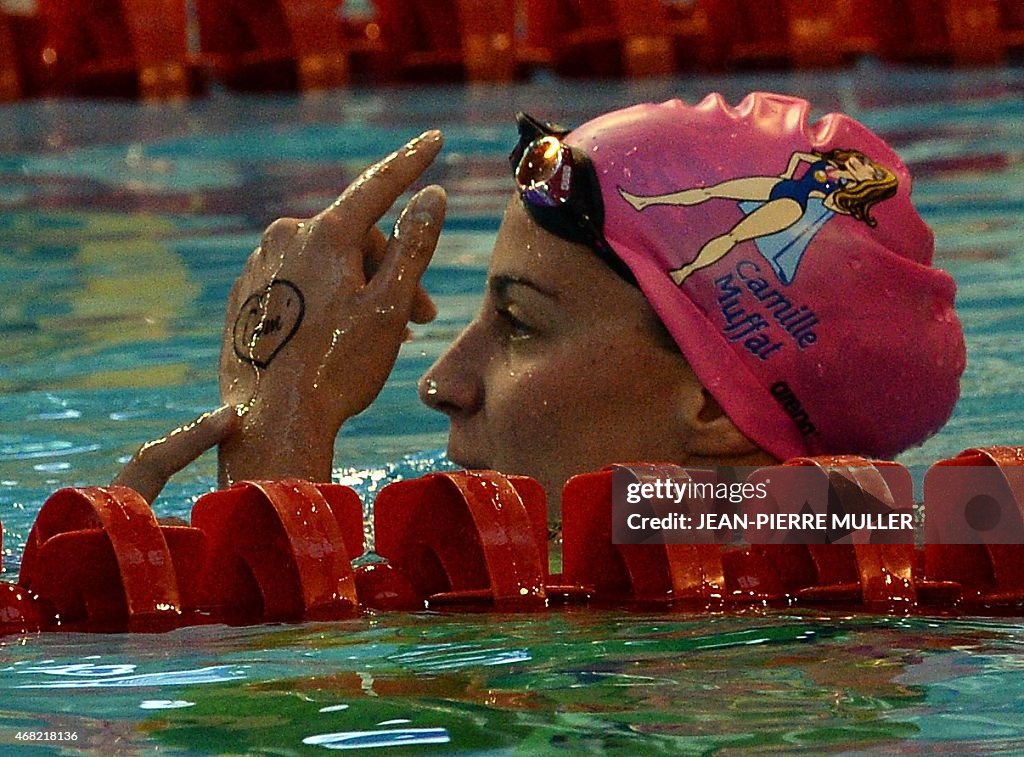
[(500, 284)]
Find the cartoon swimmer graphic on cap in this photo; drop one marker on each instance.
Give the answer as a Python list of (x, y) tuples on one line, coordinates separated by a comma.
[(783, 213)]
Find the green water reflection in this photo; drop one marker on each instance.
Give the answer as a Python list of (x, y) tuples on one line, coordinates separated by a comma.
[(578, 681), (580, 684)]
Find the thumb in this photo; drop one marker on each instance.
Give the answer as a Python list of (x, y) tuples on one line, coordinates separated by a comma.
[(148, 470)]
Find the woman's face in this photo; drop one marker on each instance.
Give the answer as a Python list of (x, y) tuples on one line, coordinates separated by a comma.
[(564, 370), (860, 170)]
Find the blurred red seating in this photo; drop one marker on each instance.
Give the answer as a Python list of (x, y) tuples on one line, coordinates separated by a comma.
[(804, 35), (606, 37), (135, 48), (794, 33), (10, 77), (657, 37), (449, 39), (265, 45), (961, 32), (24, 70), (143, 48), (1011, 22)]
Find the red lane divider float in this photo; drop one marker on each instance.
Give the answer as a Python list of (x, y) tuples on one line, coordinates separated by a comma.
[(878, 575), (594, 567), (278, 551), (468, 538), (98, 560), (20, 610), (987, 502)]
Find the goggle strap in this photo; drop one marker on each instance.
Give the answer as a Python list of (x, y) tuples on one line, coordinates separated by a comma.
[(589, 228), (530, 129)]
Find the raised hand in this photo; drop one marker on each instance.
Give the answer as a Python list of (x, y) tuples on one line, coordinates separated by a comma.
[(315, 321), (313, 328)]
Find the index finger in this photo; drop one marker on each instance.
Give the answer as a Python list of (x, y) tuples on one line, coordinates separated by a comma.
[(367, 198)]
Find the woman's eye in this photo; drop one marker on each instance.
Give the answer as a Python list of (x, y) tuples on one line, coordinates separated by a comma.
[(516, 328)]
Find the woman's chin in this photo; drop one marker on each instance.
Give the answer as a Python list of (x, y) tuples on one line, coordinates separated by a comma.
[(461, 458)]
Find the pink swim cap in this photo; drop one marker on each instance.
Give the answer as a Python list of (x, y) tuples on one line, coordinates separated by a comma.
[(790, 266)]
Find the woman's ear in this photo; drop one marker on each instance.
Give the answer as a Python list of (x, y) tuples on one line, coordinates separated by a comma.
[(711, 434)]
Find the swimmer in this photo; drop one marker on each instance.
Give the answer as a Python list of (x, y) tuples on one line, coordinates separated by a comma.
[(846, 181), (586, 350)]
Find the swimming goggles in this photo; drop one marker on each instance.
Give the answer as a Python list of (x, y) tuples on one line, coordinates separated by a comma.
[(559, 189)]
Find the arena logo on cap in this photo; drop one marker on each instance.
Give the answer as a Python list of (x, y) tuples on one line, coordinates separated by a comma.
[(783, 213)]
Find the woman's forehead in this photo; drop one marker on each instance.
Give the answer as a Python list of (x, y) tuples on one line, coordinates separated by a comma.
[(525, 251)]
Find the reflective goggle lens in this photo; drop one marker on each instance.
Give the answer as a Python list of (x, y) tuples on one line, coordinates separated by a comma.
[(544, 172)]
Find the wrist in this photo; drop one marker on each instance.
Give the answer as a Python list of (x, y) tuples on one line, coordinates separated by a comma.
[(274, 446)]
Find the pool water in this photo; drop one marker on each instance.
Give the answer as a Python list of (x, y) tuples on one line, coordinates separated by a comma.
[(122, 227)]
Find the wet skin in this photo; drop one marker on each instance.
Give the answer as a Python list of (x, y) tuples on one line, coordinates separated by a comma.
[(314, 324), (565, 369)]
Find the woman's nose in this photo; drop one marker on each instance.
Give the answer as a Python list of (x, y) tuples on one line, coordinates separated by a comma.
[(453, 385)]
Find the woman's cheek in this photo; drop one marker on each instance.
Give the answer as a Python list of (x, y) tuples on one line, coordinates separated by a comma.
[(531, 394)]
